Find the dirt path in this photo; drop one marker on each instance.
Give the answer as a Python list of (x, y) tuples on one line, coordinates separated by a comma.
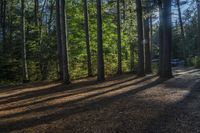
[(125, 104)]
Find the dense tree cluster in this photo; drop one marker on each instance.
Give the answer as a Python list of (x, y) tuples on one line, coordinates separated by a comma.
[(70, 39)]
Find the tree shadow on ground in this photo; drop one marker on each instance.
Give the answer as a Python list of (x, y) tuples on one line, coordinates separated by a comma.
[(71, 108)]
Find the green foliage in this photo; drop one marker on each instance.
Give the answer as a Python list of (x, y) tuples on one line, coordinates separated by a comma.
[(194, 61), (42, 56)]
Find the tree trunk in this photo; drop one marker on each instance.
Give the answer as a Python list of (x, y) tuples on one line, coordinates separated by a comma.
[(1, 12), (10, 26), (151, 36), (58, 33), (160, 5), (64, 44), (25, 68), (166, 71), (119, 71), (4, 23), (87, 37), (140, 38), (100, 58), (198, 11), (182, 29), (147, 46), (36, 12)]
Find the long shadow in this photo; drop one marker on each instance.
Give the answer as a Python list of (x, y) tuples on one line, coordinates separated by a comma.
[(72, 86), (85, 82), (71, 94), (72, 102), (60, 88), (23, 86), (92, 105)]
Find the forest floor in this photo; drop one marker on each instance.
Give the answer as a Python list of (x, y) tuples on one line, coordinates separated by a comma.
[(124, 104)]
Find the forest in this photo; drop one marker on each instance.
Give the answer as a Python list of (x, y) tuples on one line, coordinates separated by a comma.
[(65, 58), (121, 36)]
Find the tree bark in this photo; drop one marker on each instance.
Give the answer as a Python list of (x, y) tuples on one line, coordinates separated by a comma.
[(182, 29), (166, 71), (87, 37), (141, 71), (198, 12), (100, 58), (4, 23), (119, 71), (151, 36), (58, 33), (160, 5), (36, 12), (147, 46), (64, 45), (25, 68)]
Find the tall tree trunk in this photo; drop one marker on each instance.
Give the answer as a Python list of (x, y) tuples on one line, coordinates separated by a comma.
[(182, 29), (58, 33), (4, 23), (198, 11), (166, 71), (151, 36), (100, 58), (25, 68), (36, 12), (119, 71), (160, 5), (64, 44), (147, 46), (10, 25), (63, 38), (87, 37), (132, 51), (1, 12), (140, 38)]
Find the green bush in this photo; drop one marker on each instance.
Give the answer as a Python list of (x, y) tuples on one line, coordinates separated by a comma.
[(194, 61)]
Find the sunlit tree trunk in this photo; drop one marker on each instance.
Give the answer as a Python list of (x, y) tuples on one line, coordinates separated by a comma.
[(25, 68), (87, 36), (100, 64), (141, 71)]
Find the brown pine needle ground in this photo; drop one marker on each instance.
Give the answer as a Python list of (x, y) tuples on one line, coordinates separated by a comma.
[(125, 104)]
